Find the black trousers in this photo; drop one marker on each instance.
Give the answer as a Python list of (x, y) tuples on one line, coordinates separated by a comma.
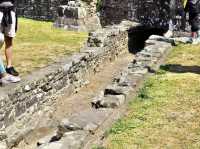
[(193, 9)]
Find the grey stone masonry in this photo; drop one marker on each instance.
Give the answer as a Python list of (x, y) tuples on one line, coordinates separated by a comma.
[(71, 73), (153, 13), (78, 15), (69, 14), (146, 61), (38, 9), (76, 131)]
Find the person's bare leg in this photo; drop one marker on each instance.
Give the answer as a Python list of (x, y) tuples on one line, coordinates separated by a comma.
[(8, 50)]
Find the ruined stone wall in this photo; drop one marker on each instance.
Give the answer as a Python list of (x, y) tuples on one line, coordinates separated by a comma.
[(47, 9), (71, 73), (154, 13), (78, 15), (38, 9)]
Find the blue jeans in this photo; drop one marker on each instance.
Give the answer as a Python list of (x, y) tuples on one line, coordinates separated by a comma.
[(2, 68)]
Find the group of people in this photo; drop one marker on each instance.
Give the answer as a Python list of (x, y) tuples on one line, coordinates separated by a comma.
[(191, 6)]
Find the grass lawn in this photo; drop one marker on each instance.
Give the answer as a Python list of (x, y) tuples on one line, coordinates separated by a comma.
[(38, 44), (166, 113)]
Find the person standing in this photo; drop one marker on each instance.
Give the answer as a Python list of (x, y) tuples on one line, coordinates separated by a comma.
[(172, 14), (8, 26), (190, 6), (5, 78)]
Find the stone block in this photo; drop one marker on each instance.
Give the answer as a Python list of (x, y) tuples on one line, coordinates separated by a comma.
[(183, 40), (3, 145), (53, 145), (48, 139), (112, 101), (116, 90), (88, 120)]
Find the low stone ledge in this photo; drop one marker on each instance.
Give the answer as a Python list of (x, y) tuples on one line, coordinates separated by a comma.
[(19, 101), (72, 132), (114, 96), (148, 60)]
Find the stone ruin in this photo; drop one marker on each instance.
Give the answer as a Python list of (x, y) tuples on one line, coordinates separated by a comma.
[(78, 15), (22, 106), (83, 16), (72, 15), (38, 9), (150, 13)]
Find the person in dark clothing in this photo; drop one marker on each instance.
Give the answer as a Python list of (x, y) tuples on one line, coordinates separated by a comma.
[(172, 7), (8, 23), (190, 6)]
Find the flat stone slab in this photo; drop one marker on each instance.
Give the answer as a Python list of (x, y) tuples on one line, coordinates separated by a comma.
[(112, 101), (88, 120), (116, 90), (184, 40), (70, 140), (53, 145)]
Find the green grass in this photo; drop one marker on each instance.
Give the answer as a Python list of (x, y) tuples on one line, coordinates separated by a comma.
[(166, 112), (38, 44)]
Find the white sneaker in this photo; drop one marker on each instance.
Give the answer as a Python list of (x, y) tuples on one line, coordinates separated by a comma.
[(9, 79), (196, 41), (168, 34)]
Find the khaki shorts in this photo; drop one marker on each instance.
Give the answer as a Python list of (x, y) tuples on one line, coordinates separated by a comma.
[(10, 29)]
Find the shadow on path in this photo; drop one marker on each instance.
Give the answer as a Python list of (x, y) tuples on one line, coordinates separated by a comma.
[(177, 68)]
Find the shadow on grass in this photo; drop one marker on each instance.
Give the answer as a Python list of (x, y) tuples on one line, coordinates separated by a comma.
[(177, 68)]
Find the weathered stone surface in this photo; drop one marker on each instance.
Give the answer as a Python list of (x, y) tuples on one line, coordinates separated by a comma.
[(72, 132), (161, 38), (139, 70), (37, 9), (112, 101), (150, 13), (146, 61), (47, 139), (78, 15), (183, 40), (109, 101), (70, 140), (87, 120), (53, 145), (116, 90), (73, 140), (3, 145), (67, 125), (70, 73)]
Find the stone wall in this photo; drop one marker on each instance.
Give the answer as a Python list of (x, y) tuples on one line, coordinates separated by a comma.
[(68, 14), (153, 13), (16, 101), (78, 15), (38, 9), (87, 127)]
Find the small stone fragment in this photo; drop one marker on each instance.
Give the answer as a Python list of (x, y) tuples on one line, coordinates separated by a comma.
[(3, 145), (53, 145)]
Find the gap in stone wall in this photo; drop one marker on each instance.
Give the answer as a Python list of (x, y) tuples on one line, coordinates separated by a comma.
[(138, 35)]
